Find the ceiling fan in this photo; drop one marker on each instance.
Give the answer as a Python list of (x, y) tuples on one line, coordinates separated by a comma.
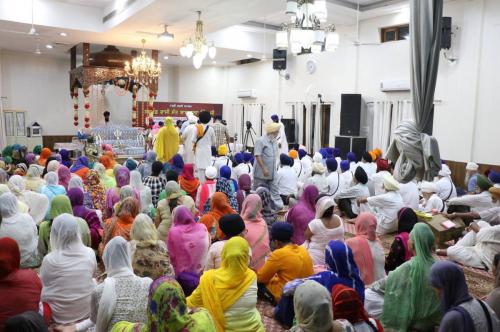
[(357, 42), (165, 35), (32, 31)]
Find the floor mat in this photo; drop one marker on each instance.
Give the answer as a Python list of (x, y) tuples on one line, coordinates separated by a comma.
[(270, 325)]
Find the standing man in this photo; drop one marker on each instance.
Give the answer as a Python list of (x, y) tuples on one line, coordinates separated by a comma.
[(188, 137), (266, 154), (281, 139), (202, 144), (221, 132)]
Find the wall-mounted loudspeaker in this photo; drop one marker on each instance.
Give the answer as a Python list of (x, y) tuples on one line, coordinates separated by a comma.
[(350, 114), (279, 59), (290, 130), (446, 33)]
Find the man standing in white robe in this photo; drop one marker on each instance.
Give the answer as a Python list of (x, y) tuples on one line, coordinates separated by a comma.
[(281, 139), (188, 138), (203, 142)]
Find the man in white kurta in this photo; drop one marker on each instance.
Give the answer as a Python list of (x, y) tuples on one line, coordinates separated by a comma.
[(477, 202), (188, 137), (445, 186), (430, 201), (281, 139), (386, 206), (333, 177), (347, 197), (203, 142)]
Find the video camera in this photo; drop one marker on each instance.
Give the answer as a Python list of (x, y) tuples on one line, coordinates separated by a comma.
[(249, 125)]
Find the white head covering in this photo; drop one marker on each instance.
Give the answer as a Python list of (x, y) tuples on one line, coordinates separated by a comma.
[(471, 166), (117, 259), (52, 178), (8, 205), (4, 189), (317, 157), (136, 180), (126, 192), (318, 168), (53, 166), (445, 171), (191, 118), (428, 187), (323, 204), (75, 182), (210, 172), (16, 185), (64, 233), (390, 183), (313, 307), (38, 205), (34, 171), (144, 230)]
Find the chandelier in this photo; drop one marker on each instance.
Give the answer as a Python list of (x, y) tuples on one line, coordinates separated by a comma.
[(305, 33), (197, 46), (143, 69)]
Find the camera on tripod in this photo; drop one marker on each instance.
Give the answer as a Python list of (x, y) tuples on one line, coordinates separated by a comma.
[(249, 125)]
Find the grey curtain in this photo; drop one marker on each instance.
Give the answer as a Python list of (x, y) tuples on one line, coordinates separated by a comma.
[(425, 37)]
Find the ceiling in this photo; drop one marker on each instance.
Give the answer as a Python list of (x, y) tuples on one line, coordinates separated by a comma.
[(83, 21)]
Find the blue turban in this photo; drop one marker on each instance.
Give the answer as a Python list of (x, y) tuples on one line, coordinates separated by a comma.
[(275, 118), (285, 160), (238, 158), (131, 164), (248, 157), (302, 153), (225, 172), (330, 152), (281, 231), (323, 152), (331, 164), (367, 157), (177, 162), (494, 177), (345, 165), (336, 152), (361, 175), (351, 156)]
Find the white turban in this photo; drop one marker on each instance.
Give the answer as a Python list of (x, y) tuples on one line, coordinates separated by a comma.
[(317, 157), (210, 172), (318, 168), (428, 187), (445, 171), (390, 183), (471, 166)]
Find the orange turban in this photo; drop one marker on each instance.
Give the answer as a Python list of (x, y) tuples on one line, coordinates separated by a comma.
[(293, 154)]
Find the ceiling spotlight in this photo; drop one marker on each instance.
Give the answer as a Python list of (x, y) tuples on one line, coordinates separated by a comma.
[(249, 55), (49, 46), (165, 35), (63, 34), (165, 57)]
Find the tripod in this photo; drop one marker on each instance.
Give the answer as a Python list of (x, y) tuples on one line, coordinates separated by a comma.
[(249, 134)]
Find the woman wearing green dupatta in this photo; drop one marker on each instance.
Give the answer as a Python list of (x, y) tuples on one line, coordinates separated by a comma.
[(59, 205), (409, 301), (107, 181), (168, 311)]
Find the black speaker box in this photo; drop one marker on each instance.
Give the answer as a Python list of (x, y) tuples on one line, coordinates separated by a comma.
[(355, 144), (446, 33), (290, 130), (350, 114), (279, 59)]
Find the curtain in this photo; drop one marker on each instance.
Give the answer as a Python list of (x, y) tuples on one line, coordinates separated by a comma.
[(3, 138), (253, 113), (425, 35), (317, 126)]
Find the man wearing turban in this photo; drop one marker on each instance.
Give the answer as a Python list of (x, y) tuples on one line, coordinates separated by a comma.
[(222, 158), (188, 138), (266, 154), (202, 144), (479, 201), (281, 139), (167, 141)]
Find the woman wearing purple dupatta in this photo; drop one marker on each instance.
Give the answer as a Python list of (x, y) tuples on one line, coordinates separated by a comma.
[(65, 159), (187, 243), (64, 176), (122, 177), (302, 213), (90, 216), (244, 186)]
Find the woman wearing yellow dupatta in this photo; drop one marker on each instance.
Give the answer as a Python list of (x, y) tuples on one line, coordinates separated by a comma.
[(167, 141), (229, 293)]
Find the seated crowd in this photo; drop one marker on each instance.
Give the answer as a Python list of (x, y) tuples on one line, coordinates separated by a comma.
[(148, 246)]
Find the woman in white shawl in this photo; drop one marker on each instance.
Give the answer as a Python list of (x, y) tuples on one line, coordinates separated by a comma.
[(67, 271), (144, 192), (21, 207), (33, 178), (20, 227), (122, 296), (38, 204)]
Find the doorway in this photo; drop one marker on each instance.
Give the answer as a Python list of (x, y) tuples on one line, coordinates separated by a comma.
[(325, 124)]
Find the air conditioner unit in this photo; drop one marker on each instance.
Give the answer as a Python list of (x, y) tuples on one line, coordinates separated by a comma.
[(394, 85), (250, 93)]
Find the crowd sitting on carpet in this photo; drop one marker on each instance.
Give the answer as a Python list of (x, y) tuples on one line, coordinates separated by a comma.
[(191, 242)]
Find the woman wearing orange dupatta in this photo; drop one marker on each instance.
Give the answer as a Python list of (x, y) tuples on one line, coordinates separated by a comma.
[(257, 233), (121, 224), (367, 250), (219, 206), (44, 155), (188, 182)]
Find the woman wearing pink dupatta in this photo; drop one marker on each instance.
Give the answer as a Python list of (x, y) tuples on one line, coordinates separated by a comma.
[(64, 176), (366, 248), (187, 243), (257, 233)]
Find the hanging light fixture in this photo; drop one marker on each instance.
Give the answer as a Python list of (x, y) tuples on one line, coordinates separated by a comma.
[(197, 46), (143, 69), (305, 32)]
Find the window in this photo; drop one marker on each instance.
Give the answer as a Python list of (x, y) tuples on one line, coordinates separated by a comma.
[(398, 32), (15, 123)]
